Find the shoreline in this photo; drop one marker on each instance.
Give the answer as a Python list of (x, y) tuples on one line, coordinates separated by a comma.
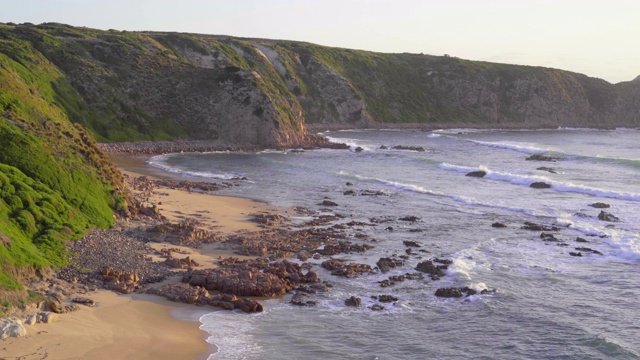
[(141, 325)]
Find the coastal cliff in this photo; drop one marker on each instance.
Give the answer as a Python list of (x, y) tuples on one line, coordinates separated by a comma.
[(63, 87)]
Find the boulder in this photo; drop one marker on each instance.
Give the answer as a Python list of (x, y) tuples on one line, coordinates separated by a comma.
[(477, 174), (455, 292), (600, 205), (540, 157), (547, 169), (358, 149), (328, 203), (84, 301), (385, 298), (409, 218), (353, 301), (540, 185), (300, 299), (498, 225), (12, 327), (605, 216), (377, 307), (410, 243), (31, 319), (386, 264), (428, 267)]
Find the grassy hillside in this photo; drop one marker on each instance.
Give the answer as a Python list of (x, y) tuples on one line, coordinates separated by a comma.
[(54, 181)]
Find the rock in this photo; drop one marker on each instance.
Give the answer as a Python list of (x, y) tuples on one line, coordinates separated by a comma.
[(477, 174), (536, 227), (455, 292), (540, 185), (540, 157), (377, 307), (47, 317), (358, 149), (349, 192), (31, 319), (84, 301), (353, 301), (548, 237), (431, 269), (409, 218), (411, 148), (349, 184), (384, 147), (600, 205), (385, 298), (547, 169), (605, 216), (300, 299), (389, 228), (586, 249), (386, 264), (12, 327), (578, 254), (498, 225), (410, 243), (581, 240), (328, 203)]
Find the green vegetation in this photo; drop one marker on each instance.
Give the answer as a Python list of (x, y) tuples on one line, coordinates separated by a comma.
[(54, 181)]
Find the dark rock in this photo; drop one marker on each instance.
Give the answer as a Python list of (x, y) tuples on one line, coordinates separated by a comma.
[(498, 225), (84, 301), (548, 237), (386, 264), (409, 218), (600, 205), (431, 269), (537, 227), (412, 148), (540, 185), (349, 184), (547, 169), (359, 149), (455, 292), (581, 240), (540, 157), (349, 192), (443, 261), (383, 147), (605, 216), (389, 228), (385, 298), (377, 307), (477, 174), (300, 299), (575, 254), (328, 203), (353, 301), (586, 249), (411, 243)]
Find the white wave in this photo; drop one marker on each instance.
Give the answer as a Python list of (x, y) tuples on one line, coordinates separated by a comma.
[(462, 267), (434, 135), (158, 163), (520, 147), (527, 180), (230, 333), (352, 143)]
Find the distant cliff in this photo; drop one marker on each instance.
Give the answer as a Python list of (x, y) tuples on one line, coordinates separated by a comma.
[(147, 85)]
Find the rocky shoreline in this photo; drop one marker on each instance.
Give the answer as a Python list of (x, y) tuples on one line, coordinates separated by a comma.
[(151, 148)]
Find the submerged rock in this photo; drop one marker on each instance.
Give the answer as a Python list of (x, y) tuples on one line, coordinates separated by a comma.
[(547, 169), (540, 185), (600, 205), (353, 301), (455, 292), (540, 157), (477, 174), (498, 225), (605, 216)]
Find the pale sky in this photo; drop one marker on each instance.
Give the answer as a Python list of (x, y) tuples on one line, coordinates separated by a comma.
[(596, 38)]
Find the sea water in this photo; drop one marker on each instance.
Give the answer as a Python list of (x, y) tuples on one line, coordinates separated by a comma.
[(547, 304)]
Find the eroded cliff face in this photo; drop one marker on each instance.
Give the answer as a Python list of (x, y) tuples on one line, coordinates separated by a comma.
[(139, 86)]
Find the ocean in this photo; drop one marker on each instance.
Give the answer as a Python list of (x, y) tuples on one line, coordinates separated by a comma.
[(543, 302)]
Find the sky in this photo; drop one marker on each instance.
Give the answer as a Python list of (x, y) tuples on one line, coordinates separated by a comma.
[(597, 38)]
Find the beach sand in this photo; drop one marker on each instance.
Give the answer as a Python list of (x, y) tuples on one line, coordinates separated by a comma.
[(141, 326)]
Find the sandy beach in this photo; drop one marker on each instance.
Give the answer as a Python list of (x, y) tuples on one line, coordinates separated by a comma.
[(140, 326)]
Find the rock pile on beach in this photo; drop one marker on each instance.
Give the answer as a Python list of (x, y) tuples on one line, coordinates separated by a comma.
[(103, 255), (199, 296), (251, 277)]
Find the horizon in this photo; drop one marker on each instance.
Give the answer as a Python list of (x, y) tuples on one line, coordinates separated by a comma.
[(585, 37)]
